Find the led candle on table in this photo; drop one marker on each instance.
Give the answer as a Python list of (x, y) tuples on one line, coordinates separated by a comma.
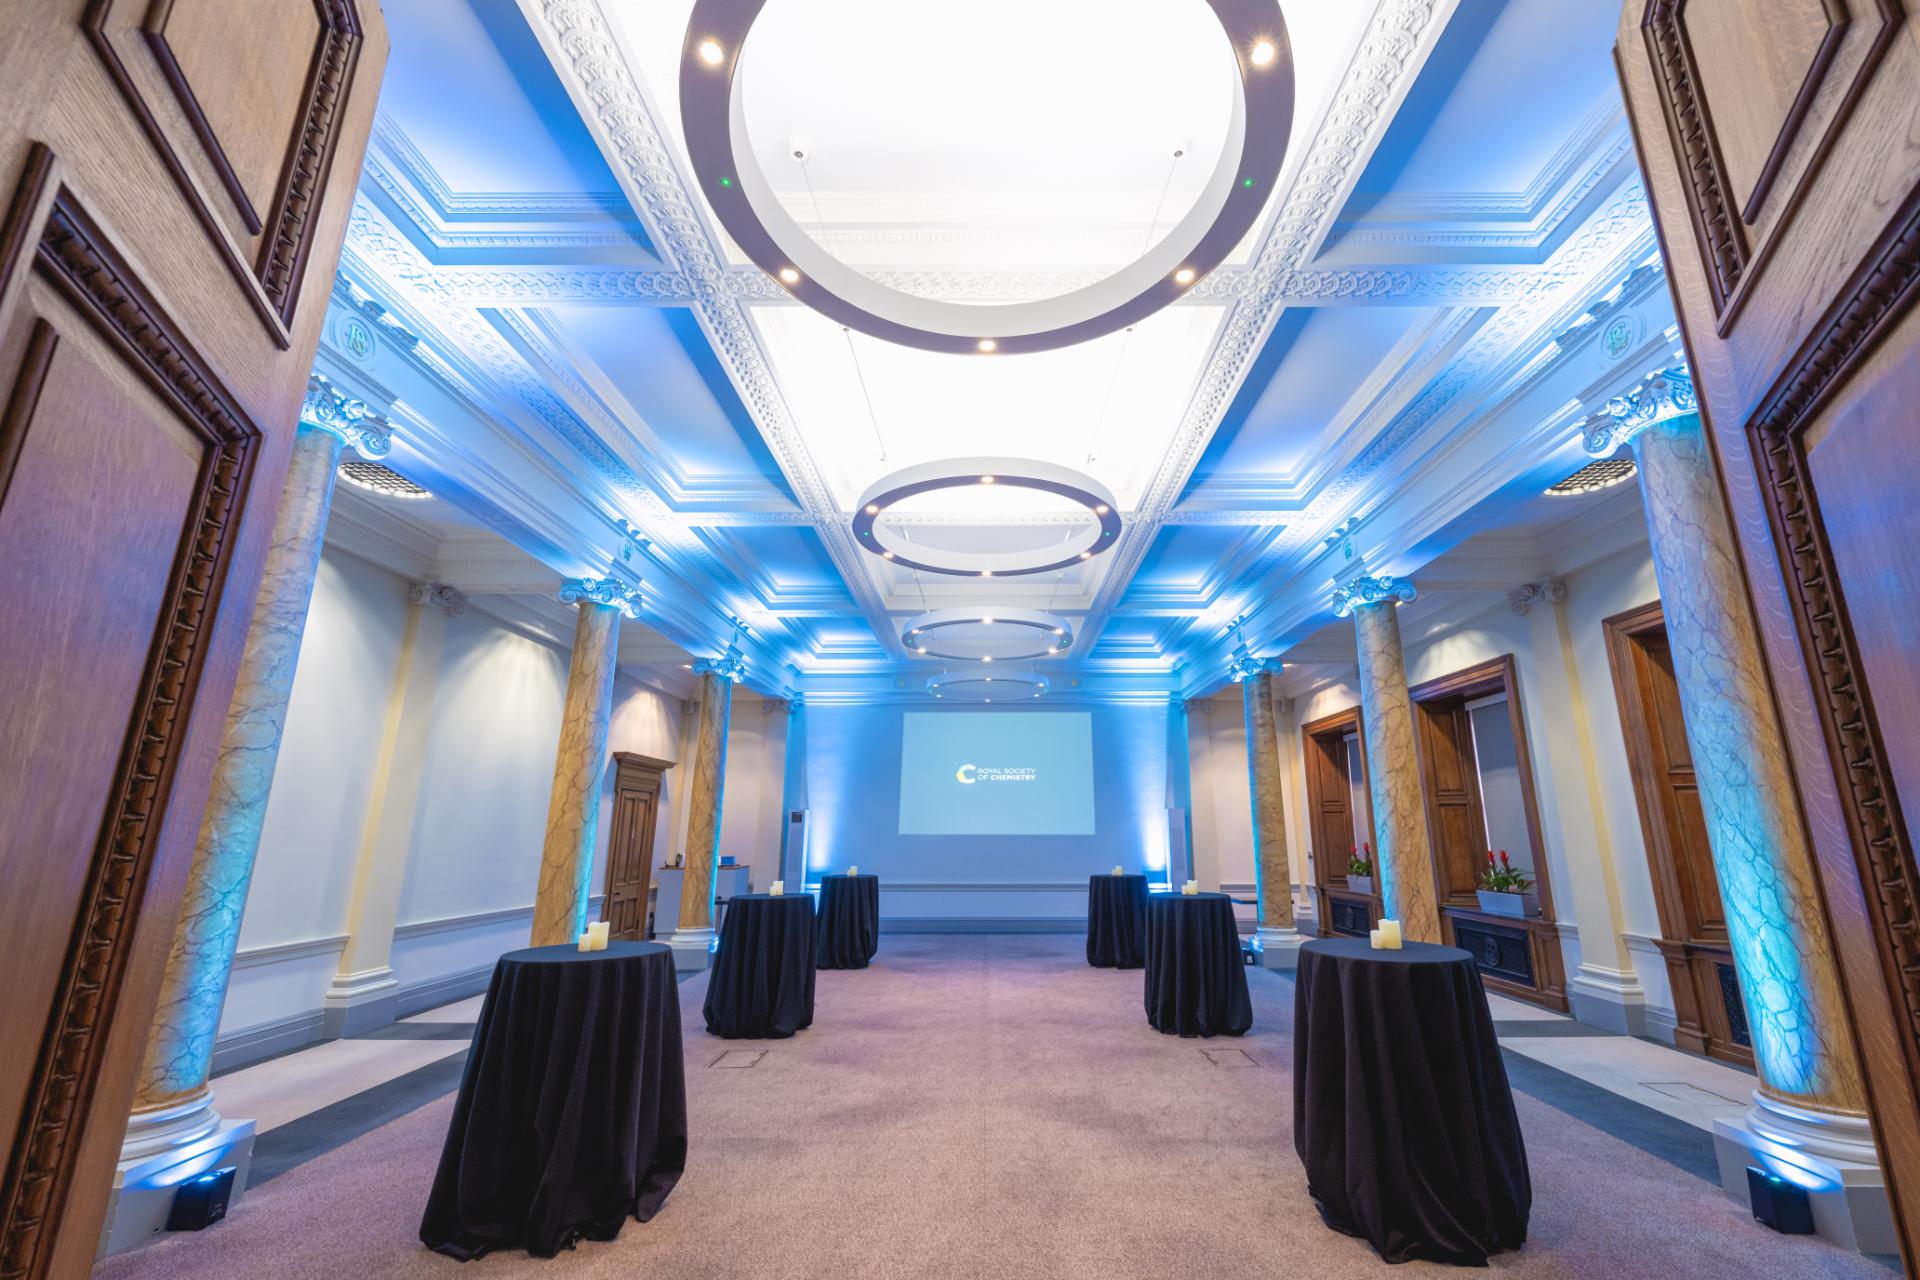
[(598, 932), (776, 888), (853, 871), (1190, 888), (1116, 871), (1390, 935), (1373, 939)]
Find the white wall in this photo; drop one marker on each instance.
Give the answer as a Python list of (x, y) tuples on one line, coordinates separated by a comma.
[(310, 842), (853, 789)]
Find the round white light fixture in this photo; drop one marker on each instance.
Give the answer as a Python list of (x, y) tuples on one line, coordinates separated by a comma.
[(713, 112), (1100, 533), (971, 686), (972, 635)]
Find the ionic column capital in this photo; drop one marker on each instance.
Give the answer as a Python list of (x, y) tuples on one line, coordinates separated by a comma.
[(604, 591), (327, 408), (1664, 394), (1351, 594), (440, 596), (1528, 594)]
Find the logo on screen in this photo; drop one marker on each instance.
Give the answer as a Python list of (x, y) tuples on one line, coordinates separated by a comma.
[(972, 773), (965, 774)]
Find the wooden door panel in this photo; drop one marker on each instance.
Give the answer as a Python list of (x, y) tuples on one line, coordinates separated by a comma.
[(249, 140), (126, 465), (1802, 336)]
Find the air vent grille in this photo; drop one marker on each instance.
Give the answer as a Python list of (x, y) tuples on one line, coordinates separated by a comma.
[(1603, 474), (380, 479)]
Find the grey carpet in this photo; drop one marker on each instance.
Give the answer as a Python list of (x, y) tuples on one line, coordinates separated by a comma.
[(979, 1107)]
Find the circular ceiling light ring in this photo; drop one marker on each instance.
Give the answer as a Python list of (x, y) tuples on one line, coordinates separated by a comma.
[(967, 474), (975, 686), (712, 113), (962, 635)]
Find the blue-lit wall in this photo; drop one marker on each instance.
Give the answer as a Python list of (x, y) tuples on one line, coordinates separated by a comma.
[(853, 793)]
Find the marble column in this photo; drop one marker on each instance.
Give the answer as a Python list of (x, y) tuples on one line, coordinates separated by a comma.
[(1403, 853), (174, 1119), (365, 993), (793, 795), (1811, 1106), (1277, 939), (580, 762), (693, 937)]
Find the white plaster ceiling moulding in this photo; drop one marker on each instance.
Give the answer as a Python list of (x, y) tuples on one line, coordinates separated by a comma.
[(976, 686), (987, 635), (983, 477), (713, 115)]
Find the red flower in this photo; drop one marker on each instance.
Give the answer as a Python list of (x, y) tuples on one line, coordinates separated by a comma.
[(1503, 860), (1489, 857)]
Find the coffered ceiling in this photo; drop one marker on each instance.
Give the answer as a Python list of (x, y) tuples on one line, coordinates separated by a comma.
[(577, 357)]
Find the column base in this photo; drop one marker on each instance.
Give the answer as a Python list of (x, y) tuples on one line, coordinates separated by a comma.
[(1611, 999), (1831, 1155), (692, 949), (1278, 946), (163, 1149), (357, 1003)]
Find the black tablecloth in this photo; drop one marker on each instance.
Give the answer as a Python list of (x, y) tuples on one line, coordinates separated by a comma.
[(1401, 1110), (1117, 921), (1196, 981), (761, 985), (572, 1114), (849, 929)]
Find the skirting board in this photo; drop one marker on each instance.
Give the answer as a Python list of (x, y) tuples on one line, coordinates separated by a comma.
[(271, 1039)]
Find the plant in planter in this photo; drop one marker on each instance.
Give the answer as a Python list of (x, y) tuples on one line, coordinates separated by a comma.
[(1360, 869), (1504, 888)]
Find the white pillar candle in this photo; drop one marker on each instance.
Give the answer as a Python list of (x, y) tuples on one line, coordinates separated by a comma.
[(597, 933), (1373, 939), (853, 871), (1390, 934), (776, 888), (1190, 888), (1116, 871)]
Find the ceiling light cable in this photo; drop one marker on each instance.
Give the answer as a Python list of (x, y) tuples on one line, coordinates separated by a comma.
[(1113, 379), (820, 225)]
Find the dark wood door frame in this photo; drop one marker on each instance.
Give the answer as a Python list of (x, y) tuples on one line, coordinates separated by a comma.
[(1517, 957), (639, 782), (1341, 911), (1709, 1017)]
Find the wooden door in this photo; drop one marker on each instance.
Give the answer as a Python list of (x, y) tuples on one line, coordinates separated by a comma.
[(1781, 145), (175, 177), (636, 808), (1455, 821), (1334, 826), (1709, 1016)]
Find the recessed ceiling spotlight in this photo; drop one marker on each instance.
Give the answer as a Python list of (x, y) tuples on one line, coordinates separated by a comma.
[(886, 555), (789, 276), (986, 657), (1053, 648), (873, 508), (923, 648), (986, 621), (1059, 631), (711, 53), (986, 573), (986, 479), (1262, 54), (1183, 276), (1086, 555), (1100, 510), (986, 344)]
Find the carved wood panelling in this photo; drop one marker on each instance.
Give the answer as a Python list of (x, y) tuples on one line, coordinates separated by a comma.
[(1876, 298), (206, 434), (256, 200), (1743, 185)]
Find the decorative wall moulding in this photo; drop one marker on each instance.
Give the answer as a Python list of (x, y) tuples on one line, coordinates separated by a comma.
[(972, 474), (987, 635), (712, 113)]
